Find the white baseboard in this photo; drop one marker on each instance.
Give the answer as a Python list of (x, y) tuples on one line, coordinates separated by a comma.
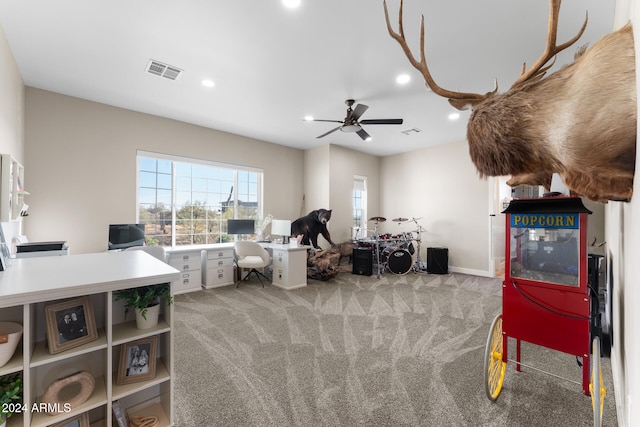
[(470, 271)]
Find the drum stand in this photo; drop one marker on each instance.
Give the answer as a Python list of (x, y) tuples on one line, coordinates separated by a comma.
[(376, 220), (417, 266)]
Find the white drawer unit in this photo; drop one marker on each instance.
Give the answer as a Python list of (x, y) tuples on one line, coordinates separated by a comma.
[(289, 265), (188, 262), (217, 267), (280, 265)]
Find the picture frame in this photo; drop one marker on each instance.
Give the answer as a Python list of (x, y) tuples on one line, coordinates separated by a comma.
[(138, 360), (70, 324), (119, 414), (80, 420)]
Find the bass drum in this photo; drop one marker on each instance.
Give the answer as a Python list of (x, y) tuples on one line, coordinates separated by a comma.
[(397, 261)]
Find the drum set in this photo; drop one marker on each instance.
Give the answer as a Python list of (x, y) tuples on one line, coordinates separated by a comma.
[(394, 252)]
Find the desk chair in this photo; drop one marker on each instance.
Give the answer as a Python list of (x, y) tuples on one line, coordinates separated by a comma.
[(156, 251), (252, 256)]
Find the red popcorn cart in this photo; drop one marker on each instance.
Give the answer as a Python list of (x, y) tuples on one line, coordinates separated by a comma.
[(551, 295)]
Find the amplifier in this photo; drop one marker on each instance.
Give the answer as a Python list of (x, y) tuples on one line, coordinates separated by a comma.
[(363, 261), (438, 260)]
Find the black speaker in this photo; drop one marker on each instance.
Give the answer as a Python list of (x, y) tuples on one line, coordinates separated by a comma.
[(363, 261), (438, 260)]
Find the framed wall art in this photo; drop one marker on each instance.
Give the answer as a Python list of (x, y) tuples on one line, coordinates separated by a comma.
[(138, 360), (70, 324)]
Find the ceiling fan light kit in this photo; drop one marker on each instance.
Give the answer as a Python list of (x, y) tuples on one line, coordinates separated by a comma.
[(352, 122)]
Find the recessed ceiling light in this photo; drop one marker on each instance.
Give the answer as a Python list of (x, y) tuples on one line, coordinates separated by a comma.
[(403, 79), (308, 118), (208, 83), (291, 3), (368, 138), (454, 116)]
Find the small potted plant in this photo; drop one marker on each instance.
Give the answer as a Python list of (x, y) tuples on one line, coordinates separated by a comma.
[(145, 301), (10, 394)]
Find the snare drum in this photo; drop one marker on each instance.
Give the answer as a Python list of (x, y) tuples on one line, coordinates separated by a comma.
[(397, 260)]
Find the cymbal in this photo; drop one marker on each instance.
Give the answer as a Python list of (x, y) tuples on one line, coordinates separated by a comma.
[(378, 219), (400, 219)]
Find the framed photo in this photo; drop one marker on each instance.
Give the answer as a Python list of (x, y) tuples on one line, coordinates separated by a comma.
[(118, 414), (81, 420), (70, 324), (138, 360)]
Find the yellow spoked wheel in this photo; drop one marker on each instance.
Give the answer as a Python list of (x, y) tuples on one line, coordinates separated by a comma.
[(494, 367), (596, 387)]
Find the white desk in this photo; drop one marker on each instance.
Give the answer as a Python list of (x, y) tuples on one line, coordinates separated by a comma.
[(289, 265), (216, 267)]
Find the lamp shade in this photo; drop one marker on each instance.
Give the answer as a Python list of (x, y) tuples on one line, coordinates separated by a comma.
[(281, 227)]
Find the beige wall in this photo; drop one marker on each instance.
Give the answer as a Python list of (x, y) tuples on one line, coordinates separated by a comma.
[(345, 164), (623, 247), (316, 180), (329, 171), (11, 104), (12, 138), (440, 185), (81, 165)]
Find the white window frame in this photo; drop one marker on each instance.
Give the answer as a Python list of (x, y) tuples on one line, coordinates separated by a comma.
[(359, 185), (222, 236)]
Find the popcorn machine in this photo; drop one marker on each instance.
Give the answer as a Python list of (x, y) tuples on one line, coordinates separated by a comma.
[(547, 297)]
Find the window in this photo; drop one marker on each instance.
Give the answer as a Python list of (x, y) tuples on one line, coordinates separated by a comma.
[(188, 202), (359, 207)]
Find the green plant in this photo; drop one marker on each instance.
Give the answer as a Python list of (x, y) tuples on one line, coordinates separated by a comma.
[(144, 297), (10, 391)]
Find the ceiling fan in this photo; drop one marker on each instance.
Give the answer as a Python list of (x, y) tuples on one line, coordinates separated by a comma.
[(352, 122)]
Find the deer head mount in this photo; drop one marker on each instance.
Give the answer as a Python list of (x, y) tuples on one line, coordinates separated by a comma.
[(579, 122)]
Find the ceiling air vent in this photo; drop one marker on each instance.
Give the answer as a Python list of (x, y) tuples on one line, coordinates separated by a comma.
[(410, 131), (163, 70)]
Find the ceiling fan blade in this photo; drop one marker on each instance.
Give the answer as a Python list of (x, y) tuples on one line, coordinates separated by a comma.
[(363, 134), (322, 120), (381, 122), (359, 111), (327, 133)]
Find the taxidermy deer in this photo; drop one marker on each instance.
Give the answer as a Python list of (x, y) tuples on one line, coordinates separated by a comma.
[(579, 121)]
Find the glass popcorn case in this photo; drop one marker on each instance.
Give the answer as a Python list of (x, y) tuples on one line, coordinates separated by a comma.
[(546, 241)]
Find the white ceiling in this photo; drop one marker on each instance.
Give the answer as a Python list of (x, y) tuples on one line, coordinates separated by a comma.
[(272, 66)]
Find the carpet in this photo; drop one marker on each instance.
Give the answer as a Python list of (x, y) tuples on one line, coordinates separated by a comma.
[(402, 350)]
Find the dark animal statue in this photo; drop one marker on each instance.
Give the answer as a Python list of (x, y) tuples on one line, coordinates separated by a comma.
[(579, 122), (311, 226)]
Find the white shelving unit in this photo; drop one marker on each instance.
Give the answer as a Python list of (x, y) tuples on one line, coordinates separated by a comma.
[(12, 192), (43, 281)]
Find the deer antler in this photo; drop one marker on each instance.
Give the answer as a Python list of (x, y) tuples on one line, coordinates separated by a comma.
[(459, 100), (537, 70)]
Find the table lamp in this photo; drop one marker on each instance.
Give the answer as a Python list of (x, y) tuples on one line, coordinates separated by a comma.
[(281, 227)]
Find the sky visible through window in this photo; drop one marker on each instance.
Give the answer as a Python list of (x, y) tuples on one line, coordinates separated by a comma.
[(186, 203)]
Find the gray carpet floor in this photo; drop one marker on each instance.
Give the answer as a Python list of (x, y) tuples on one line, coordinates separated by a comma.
[(401, 350)]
